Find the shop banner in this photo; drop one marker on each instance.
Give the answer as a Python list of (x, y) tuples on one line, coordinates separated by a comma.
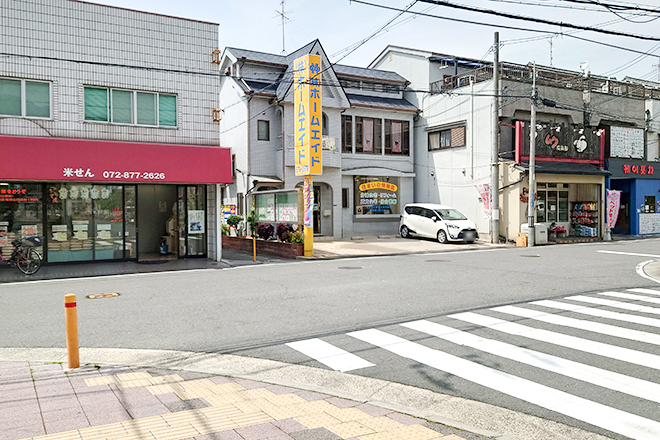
[(84, 160), (308, 200), (613, 205), (484, 194)]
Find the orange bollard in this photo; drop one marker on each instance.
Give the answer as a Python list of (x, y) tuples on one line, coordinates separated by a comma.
[(254, 248), (71, 312)]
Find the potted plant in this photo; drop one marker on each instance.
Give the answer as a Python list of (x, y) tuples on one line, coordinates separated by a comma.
[(233, 221)]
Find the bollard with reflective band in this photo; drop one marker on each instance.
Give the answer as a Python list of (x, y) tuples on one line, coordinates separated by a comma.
[(71, 313)]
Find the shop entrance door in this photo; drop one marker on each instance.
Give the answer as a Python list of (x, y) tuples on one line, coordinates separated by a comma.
[(157, 222)]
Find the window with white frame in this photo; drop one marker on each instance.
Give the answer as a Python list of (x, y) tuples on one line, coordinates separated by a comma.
[(25, 98), (263, 130), (121, 106), (450, 137)]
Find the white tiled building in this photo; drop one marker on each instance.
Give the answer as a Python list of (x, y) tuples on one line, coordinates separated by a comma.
[(367, 138), (127, 97)]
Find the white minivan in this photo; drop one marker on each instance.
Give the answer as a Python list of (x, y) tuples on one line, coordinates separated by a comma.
[(443, 223)]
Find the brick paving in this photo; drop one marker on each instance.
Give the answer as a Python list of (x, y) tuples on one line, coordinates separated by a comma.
[(46, 401)]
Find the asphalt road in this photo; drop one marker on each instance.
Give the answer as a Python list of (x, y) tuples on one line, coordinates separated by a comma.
[(256, 310)]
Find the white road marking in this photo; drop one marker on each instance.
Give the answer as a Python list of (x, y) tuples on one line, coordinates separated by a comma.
[(597, 414), (640, 270), (597, 376), (596, 327), (647, 291), (629, 253), (573, 342), (631, 297), (615, 304), (329, 355), (618, 316)]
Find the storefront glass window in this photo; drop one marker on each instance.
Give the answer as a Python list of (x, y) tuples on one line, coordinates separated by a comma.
[(21, 214), (85, 222), (70, 216), (108, 222), (196, 220), (563, 206), (130, 222), (649, 204), (540, 206), (376, 195)]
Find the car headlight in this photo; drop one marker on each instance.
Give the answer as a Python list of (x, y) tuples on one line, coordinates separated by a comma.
[(453, 226)]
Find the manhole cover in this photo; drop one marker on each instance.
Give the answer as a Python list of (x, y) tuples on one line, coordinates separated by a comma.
[(531, 256), (350, 267), (103, 295)]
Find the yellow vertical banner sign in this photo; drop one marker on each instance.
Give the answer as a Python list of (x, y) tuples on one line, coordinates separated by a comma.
[(307, 115)]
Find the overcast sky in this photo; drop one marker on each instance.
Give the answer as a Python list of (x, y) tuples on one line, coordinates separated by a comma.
[(341, 24)]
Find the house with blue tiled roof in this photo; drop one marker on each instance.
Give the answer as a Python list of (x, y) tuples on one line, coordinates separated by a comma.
[(367, 139)]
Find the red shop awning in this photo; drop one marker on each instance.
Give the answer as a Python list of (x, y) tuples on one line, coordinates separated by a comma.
[(60, 159)]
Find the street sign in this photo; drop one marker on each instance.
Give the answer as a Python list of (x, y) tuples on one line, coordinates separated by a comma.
[(307, 116)]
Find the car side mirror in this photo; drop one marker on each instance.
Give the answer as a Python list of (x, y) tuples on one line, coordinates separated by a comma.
[(434, 218)]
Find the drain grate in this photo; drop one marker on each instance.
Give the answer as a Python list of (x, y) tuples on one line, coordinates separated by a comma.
[(350, 267), (437, 261), (103, 295), (531, 256)]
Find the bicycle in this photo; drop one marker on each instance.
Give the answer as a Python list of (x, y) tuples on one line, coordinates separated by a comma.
[(24, 256)]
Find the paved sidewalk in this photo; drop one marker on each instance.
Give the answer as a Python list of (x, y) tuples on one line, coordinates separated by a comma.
[(204, 396), (46, 402)]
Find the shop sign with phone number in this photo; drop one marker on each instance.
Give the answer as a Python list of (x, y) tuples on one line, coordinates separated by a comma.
[(118, 175)]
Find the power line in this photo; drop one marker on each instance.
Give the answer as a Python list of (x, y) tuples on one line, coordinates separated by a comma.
[(615, 6), (373, 34), (516, 28), (538, 20)]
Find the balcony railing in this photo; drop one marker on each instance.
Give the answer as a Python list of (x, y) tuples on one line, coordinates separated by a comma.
[(548, 77)]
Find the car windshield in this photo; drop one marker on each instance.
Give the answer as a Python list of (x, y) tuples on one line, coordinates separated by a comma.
[(450, 214)]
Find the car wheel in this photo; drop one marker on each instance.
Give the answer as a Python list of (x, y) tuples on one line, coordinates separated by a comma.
[(442, 236), (405, 232)]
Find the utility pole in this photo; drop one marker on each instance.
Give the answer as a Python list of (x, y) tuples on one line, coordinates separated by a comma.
[(494, 156), (532, 163)]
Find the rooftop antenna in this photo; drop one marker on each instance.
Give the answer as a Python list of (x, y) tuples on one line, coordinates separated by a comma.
[(282, 14)]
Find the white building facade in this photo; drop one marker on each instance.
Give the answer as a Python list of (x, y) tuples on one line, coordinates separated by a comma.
[(367, 139), (590, 133)]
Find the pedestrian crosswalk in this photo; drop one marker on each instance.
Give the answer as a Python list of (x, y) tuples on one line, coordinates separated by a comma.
[(593, 357)]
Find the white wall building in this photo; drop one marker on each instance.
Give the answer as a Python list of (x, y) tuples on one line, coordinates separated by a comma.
[(367, 134), (585, 124)]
